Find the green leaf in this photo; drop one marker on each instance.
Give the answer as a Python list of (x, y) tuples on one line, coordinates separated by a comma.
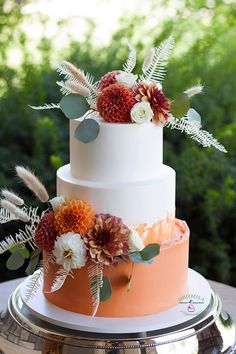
[(87, 130), (136, 258), (35, 253), (21, 249), (34, 260), (180, 106), (15, 261), (150, 251), (106, 290), (74, 106)]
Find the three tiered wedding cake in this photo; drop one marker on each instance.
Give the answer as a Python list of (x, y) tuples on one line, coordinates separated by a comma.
[(111, 244)]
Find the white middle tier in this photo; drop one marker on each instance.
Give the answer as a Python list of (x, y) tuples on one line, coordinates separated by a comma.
[(121, 152), (135, 202)]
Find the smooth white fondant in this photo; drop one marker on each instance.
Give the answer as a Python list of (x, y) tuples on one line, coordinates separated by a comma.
[(121, 152), (135, 202), (197, 285)]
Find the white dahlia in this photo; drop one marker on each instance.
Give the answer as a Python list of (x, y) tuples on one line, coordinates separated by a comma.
[(70, 251)]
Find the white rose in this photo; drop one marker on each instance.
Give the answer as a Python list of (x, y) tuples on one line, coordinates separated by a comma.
[(126, 79), (135, 242), (141, 112), (70, 251), (57, 202)]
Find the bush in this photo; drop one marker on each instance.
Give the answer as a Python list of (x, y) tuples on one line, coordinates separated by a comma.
[(205, 52)]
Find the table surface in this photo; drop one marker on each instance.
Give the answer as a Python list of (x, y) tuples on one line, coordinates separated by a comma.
[(227, 294)]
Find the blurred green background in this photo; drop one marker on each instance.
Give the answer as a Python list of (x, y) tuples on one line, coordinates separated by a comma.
[(205, 35)]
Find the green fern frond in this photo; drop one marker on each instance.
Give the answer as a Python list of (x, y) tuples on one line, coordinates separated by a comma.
[(155, 71)]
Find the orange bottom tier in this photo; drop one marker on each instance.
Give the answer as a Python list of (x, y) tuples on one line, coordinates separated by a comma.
[(155, 287)]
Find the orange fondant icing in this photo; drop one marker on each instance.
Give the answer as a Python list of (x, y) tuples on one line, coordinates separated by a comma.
[(154, 288)]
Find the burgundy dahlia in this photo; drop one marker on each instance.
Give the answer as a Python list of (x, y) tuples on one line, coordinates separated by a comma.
[(107, 240), (115, 103), (158, 101), (46, 234), (108, 79)]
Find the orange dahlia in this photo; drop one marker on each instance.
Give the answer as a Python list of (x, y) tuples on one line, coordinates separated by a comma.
[(108, 79), (74, 216), (115, 103)]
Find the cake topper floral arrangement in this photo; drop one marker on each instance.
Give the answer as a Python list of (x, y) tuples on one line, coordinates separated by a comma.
[(123, 97), (71, 235)]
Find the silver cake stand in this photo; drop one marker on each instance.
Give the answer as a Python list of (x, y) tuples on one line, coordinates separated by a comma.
[(212, 331)]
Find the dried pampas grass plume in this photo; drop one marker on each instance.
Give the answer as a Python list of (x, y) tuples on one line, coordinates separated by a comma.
[(77, 88), (77, 73), (12, 197), (148, 59), (192, 91), (33, 183), (19, 213)]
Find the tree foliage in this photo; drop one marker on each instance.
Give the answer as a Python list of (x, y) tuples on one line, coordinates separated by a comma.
[(205, 52)]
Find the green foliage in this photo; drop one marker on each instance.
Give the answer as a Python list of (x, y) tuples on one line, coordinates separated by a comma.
[(87, 130), (146, 255), (74, 106), (15, 261), (106, 290), (20, 249), (34, 261), (150, 251), (180, 106), (205, 52)]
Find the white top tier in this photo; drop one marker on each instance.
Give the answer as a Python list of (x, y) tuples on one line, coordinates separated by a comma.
[(121, 153)]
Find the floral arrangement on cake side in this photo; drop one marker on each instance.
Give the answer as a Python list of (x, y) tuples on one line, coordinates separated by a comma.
[(123, 97), (72, 236)]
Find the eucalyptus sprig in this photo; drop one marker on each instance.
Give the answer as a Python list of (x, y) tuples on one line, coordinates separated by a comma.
[(146, 255)]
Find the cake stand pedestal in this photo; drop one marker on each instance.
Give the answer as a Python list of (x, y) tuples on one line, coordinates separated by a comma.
[(200, 327)]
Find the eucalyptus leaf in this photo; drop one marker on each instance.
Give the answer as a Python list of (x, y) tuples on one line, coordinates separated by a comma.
[(20, 249), (194, 116), (180, 106), (106, 290), (35, 253), (136, 258), (74, 106), (15, 261), (150, 251), (34, 260), (87, 130)]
